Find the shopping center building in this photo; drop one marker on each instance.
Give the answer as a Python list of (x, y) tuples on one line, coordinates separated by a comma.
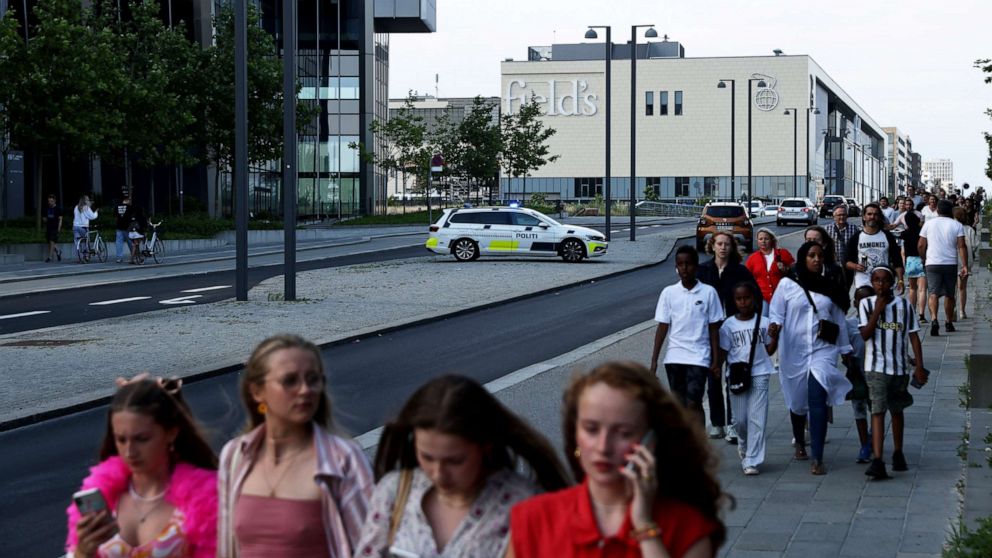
[(795, 130)]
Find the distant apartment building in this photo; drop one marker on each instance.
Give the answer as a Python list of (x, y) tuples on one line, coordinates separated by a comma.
[(897, 152), (916, 169), (940, 170)]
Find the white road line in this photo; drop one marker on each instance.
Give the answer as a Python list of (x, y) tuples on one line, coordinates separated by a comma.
[(642, 228), (655, 225), (181, 300), (119, 301), (616, 231), (626, 230), (25, 314), (204, 289)]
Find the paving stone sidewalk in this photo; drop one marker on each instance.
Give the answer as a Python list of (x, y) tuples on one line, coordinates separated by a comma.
[(786, 511)]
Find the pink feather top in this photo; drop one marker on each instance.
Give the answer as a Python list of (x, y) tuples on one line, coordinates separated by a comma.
[(191, 489)]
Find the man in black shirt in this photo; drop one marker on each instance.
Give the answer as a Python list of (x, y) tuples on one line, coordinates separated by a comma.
[(53, 224), (124, 214)]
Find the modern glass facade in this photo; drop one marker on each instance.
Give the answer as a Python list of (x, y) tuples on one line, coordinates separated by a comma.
[(665, 187)]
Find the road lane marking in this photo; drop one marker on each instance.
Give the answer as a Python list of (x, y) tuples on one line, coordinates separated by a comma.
[(641, 228), (119, 301), (616, 231), (25, 314), (181, 300), (204, 289)]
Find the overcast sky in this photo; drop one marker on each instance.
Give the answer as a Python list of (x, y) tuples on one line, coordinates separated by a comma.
[(909, 63)]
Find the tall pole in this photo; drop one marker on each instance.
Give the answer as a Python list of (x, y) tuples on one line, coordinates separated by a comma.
[(733, 140), (795, 150), (806, 192), (633, 131), (609, 57), (240, 175), (289, 147), (750, 179)]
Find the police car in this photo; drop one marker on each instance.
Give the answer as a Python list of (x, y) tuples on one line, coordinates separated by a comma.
[(508, 231)]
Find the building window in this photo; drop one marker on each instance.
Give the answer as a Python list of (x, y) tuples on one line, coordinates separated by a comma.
[(711, 186), (587, 187), (663, 107), (681, 186), (649, 103), (653, 184), (678, 103)]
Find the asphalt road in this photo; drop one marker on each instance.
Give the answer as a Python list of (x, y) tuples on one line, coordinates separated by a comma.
[(368, 380)]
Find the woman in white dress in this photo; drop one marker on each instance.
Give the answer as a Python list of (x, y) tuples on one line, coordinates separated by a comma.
[(802, 310)]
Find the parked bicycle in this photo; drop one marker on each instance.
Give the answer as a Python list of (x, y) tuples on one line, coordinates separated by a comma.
[(91, 246), (151, 246)]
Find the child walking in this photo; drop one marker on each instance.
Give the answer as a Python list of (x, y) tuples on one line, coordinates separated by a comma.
[(888, 326), (856, 375), (750, 408)]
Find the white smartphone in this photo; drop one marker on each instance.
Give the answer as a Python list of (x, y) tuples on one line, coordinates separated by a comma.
[(89, 501), (645, 441)]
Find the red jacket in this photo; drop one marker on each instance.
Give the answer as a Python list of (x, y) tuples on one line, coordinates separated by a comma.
[(768, 278)]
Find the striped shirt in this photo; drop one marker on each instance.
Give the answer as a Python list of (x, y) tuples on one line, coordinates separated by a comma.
[(841, 238), (343, 475), (888, 349)]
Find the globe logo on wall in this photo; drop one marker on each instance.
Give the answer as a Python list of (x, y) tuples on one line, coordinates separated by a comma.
[(766, 98)]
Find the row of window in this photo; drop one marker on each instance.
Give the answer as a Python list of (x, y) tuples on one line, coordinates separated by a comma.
[(496, 218), (662, 103)]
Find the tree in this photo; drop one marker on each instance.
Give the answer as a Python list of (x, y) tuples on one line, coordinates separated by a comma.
[(403, 141), (525, 139), (70, 76), (265, 99), (986, 67), (482, 142)]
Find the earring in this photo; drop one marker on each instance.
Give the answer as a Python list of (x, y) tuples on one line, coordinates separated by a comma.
[(262, 408), (577, 453)]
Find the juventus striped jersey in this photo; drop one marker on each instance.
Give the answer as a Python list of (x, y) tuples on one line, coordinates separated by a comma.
[(888, 350)]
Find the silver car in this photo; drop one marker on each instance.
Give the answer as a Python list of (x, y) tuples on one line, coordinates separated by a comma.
[(796, 210)]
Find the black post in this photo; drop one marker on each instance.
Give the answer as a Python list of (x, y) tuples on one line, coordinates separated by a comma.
[(289, 155), (795, 153), (733, 139), (240, 175), (808, 110), (609, 57), (750, 179), (633, 129)]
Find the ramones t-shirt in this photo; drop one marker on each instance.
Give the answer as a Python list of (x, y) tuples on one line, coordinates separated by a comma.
[(871, 251)]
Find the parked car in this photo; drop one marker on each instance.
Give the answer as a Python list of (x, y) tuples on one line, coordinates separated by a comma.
[(796, 210), (852, 208), (756, 208), (828, 204), (769, 211), (725, 216), (508, 231)]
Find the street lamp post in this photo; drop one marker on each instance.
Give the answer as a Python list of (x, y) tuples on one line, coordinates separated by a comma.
[(240, 175), (750, 102), (591, 34), (795, 149), (733, 141), (809, 110), (650, 34), (289, 149)]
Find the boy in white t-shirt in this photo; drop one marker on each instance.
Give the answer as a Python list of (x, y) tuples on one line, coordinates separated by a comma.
[(750, 409), (689, 314), (888, 326)]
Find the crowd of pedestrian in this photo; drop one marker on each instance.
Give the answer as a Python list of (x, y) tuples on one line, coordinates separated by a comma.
[(458, 474)]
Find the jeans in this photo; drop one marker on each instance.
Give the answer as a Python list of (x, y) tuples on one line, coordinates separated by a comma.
[(121, 241), (720, 415), (817, 417), (750, 415)]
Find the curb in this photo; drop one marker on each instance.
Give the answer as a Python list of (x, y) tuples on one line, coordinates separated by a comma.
[(36, 418)]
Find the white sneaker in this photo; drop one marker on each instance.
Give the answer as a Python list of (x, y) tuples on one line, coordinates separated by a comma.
[(716, 432), (731, 437), (751, 471)]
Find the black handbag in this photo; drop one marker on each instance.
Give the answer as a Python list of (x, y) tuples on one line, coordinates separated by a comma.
[(739, 381), (829, 332)]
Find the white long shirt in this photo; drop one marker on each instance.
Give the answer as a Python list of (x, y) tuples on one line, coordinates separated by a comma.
[(801, 353), (82, 218)]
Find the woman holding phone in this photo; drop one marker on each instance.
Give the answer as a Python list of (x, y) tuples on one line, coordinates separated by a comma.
[(156, 484), (648, 480), (447, 474), (290, 486)]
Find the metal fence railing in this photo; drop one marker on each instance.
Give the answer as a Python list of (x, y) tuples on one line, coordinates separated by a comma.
[(662, 209)]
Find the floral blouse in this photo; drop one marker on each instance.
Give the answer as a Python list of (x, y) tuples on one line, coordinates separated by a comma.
[(483, 532)]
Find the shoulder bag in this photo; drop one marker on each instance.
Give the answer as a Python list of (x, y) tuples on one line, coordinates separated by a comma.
[(740, 372), (829, 332), (402, 494)]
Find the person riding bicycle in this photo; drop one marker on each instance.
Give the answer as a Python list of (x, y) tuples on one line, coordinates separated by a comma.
[(82, 214), (136, 231)]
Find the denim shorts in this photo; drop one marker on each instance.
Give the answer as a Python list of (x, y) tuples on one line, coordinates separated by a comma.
[(914, 267)]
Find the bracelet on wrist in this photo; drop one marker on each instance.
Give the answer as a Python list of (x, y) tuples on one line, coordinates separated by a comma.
[(649, 531)]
